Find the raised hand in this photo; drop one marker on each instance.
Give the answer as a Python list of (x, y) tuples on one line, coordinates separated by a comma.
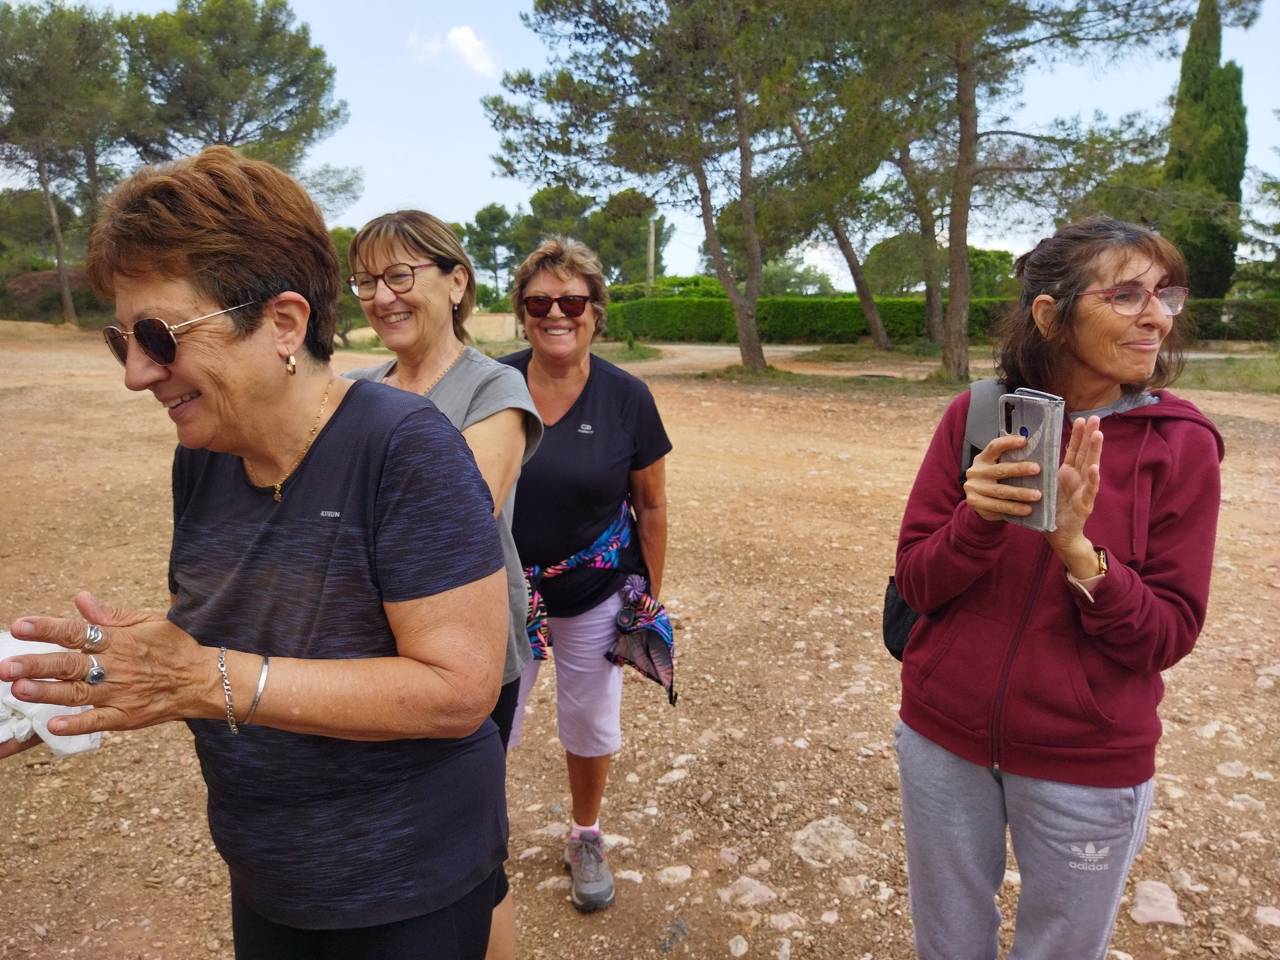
[(1079, 477)]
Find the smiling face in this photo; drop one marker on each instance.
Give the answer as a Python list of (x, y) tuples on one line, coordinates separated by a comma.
[(411, 323), (1107, 350), (555, 336), (212, 388)]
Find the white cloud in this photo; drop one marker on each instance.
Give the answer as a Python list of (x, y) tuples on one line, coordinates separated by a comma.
[(462, 42)]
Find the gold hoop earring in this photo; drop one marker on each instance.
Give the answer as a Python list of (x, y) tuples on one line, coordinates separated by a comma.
[(291, 365)]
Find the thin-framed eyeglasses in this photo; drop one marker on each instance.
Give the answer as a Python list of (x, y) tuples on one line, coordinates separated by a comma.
[(571, 306), (158, 339), (1131, 300), (398, 277)]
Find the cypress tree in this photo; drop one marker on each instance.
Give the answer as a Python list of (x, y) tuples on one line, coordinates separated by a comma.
[(1207, 144)]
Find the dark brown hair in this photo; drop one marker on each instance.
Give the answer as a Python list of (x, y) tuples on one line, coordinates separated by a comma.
[(423, 234), (1061, 267), (236, 229), (566, 258)]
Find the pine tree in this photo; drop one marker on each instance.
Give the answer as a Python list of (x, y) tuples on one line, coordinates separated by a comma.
[(1207, 145)]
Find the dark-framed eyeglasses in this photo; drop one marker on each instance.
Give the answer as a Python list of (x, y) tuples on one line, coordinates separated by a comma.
[(571, 306), (158, 339), (1131, 300), (398, 277)]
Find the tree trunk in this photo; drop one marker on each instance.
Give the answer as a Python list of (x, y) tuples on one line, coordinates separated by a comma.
[(879, 335), (955, 334), (865, 298), (752, 353), (928, 243), (93, 185), (744, 312), (64, 280)]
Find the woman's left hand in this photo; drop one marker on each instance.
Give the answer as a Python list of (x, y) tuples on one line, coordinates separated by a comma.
[(154, 671), (1079, 478)]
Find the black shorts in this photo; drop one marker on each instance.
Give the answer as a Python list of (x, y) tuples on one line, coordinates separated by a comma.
[(504, 712), (459, 931)]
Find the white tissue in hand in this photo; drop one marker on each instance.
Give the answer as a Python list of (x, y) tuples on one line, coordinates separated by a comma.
[(19, 720)]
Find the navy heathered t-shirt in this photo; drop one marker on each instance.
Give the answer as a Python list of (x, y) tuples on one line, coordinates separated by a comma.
[(573, 488), (388, 505)]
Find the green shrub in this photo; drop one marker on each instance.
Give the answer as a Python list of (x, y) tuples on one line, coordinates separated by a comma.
[(840, 320), (1232, 319), (695, 286)]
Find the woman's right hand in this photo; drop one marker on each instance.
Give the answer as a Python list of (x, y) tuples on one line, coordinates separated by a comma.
[(154, 671), (986, 495)]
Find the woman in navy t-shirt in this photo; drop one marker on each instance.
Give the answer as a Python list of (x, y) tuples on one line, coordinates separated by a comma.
[(590, 521)]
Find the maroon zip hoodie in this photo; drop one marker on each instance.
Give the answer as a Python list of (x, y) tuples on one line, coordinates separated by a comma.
[(1009, 666)]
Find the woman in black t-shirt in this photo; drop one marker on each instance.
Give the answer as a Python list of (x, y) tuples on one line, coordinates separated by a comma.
[(591, 527)]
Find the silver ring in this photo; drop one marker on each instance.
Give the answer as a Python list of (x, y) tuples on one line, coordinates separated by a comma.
[(95, 674), (93, 637)]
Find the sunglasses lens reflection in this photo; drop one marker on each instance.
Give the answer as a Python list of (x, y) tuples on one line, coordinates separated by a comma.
[(573, 306), (155, 340), (117, 343)]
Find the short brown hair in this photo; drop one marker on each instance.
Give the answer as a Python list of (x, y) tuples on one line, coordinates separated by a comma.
[(237, 229), (424, 234), (1061, 267), (566, 258)]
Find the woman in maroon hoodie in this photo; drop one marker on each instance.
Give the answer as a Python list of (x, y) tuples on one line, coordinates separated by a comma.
[(1031, 679)]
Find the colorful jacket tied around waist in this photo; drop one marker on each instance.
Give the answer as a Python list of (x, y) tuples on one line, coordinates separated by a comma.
[(645, 638)]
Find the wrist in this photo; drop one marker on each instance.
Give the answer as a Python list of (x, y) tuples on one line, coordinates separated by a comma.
[(1081, 559)]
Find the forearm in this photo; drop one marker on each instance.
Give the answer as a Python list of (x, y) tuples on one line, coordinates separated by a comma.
[(651, 524), (384, 698)]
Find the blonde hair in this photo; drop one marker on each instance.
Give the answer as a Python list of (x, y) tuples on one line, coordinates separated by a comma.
[(423, 234), (566, 258)]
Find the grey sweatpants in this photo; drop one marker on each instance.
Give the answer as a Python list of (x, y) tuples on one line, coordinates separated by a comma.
[(1074, 846)]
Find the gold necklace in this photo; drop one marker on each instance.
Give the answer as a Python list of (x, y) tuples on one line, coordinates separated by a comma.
[(439, 376), (315, 428)]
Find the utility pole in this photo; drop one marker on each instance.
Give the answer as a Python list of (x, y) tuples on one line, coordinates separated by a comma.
[(648, 270)]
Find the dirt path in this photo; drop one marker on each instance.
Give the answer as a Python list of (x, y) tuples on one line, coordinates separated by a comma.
[(785, 506)]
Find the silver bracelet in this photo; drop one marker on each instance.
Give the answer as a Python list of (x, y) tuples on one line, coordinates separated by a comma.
[(226, 689), (257, 694)]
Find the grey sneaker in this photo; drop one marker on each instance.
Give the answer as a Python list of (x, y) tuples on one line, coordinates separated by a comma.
[(592, 882)]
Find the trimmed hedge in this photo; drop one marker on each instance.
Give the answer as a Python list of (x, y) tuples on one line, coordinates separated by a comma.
[(781, 319), (1233, 319), (840, 319)]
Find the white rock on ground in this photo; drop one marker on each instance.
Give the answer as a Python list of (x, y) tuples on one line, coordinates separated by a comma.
[(1246, 804), (1267, 916), (672, 776), (1241, 946), (782, 922), (745, 892), (553, 831), (528, 853), (738, 946), (827, 841), (784, 950), (675, 875), (1232, 768), (1154, 902), (1185, 881), (554, 883), (632, 876), (830, 917)]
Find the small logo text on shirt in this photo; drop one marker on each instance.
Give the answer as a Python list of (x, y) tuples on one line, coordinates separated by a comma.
[(586, 428), (330, 513)]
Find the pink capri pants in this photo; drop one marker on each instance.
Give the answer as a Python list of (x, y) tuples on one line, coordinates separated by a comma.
[(588, 687)]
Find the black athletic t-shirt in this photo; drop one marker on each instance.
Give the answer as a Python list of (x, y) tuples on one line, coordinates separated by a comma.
[(574, 486), (387, 505)]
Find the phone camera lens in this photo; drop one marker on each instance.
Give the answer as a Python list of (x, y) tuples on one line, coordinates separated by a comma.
[(1023, 431)]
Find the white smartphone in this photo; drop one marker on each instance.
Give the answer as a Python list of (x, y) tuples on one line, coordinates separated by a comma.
[(1038, 417)]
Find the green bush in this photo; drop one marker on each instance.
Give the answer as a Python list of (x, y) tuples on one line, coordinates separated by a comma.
[(840, 319), (1232, 319), (695, 286)]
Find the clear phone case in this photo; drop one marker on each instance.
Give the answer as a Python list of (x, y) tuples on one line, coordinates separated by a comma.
[(1038, 417)]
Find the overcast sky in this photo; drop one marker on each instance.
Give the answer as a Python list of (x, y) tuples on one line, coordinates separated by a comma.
[(413, 72)]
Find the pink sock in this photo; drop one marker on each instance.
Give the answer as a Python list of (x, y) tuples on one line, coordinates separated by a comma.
[(578, 830)]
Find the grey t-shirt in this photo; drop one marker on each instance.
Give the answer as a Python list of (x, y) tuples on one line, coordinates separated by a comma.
[(475, 388)]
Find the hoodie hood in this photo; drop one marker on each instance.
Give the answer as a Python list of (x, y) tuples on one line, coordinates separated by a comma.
[(1173, 407)]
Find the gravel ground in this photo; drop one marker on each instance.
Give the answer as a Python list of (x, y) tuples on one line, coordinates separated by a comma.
[(784, 509)]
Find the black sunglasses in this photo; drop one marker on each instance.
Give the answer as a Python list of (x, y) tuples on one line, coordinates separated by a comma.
[(571, 306), (158, 340)]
